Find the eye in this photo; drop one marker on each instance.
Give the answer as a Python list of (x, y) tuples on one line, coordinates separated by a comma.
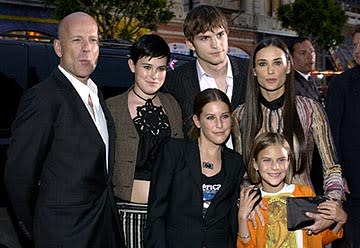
[(279, 62), (204, 38), (261, 64), (282, 160), (225, 116), (94, 41), (76, 40), (210, 117), (162, 68), (221, 34), (147, 67)]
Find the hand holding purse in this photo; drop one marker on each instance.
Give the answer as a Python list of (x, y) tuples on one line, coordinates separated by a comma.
[(296, 209)]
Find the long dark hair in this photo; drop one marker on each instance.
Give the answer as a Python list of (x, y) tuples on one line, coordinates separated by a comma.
[(253, 116)]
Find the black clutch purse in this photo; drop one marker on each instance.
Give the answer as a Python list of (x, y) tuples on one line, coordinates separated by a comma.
[(296, 208)]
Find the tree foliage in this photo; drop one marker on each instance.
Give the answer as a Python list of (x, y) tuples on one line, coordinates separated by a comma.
[(124, 19), (321, 20)]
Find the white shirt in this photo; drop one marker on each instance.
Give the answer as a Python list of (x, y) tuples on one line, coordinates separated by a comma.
[(208, 82), (306, 76), (99, 118)]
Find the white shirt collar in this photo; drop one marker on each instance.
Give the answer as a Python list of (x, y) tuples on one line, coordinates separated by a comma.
[(306, 76), (201, 72), (82, 89)]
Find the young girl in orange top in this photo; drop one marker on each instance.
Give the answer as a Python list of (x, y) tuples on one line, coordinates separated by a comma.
[(269, 167)]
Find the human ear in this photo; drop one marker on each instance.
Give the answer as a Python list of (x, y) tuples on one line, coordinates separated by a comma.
[(190, 45), (196, 121), (57, 48), (254, 164), (131, 65)]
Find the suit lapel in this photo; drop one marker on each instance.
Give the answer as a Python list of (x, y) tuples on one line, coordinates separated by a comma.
[(237, 82), (112, 136), (193, 81), (79, 109), (193, 162)]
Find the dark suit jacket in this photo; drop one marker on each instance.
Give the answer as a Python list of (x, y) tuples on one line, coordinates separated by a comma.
[(127, 139), (56, 171), (183, 84), (343, 109), (306, 88), (175, 201)]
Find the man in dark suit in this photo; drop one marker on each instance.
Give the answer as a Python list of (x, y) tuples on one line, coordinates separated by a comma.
[(206, 33), (60, 160), (343, 109), (304, 57)]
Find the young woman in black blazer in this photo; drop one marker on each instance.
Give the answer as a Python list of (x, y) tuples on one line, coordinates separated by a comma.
[(195, 183)]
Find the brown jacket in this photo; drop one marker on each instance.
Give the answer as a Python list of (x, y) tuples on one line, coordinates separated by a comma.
[(127, 139)]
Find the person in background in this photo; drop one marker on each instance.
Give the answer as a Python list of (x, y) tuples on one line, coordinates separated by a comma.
[(270, 168), (271, 106), (343, 109), (60, 160), (143, 117), (206, 33), (304, 58), (195, 184)]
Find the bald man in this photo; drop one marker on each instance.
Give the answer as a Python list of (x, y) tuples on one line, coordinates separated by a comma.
[(60, 160)]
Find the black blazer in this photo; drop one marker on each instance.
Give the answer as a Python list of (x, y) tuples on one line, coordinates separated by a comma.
[(183, 84), (56, 171), (306, 88), (343, 110), (175, 201)]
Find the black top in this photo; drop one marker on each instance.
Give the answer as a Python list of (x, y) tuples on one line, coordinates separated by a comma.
[(152, 125)]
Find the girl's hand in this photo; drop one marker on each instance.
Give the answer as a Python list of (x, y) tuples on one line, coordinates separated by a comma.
[(247, 200)]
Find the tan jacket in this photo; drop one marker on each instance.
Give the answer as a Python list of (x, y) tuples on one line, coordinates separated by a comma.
[(127, 139)]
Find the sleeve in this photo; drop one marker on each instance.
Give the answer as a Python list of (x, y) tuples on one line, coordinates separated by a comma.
[(236, 131), (333, 183), (335, 102), (161, 181), (30, 141)]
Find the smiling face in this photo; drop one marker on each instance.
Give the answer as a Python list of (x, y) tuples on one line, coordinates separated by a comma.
[(271, 69), (272, 164), (149, 75), (211, 47), (78, 45), (214, 123)]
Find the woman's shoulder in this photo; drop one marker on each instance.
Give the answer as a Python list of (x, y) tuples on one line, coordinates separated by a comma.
[(118, 98)]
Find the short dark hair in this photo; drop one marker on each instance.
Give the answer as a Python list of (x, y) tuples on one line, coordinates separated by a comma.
[(150, 45), (297, 40), (203, 18), (201, 99)]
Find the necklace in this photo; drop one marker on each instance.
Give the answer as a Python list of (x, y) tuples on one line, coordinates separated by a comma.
[(208, 165), (142, 98)]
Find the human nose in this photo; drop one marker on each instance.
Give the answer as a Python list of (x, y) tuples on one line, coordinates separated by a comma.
[(219, 123), (270, 69), (275, 165), (154, 74), (86, 45), (214, 43)]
